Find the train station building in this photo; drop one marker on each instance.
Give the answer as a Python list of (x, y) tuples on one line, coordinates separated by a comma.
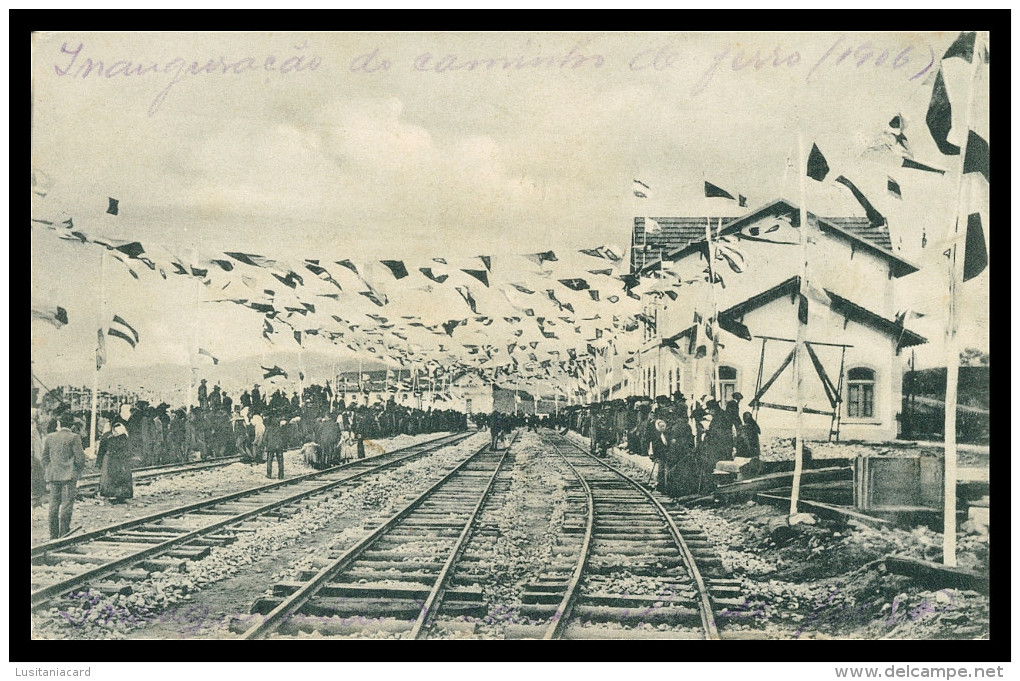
[(852, 374)]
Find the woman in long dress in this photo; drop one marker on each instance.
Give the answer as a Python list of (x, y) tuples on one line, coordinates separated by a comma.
[(114, 462)]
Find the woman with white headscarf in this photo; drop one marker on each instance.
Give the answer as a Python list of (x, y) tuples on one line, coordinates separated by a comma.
[(114, 462)]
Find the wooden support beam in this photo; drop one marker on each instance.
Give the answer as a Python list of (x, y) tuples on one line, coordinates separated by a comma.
[(936, 575)]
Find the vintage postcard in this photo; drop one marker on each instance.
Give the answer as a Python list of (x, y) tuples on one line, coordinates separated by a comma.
[(506, 335)]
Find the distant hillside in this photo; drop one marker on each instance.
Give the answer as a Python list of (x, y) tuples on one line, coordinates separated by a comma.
[(170, 382)]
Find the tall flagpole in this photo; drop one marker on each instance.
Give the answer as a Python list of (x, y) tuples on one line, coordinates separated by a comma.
[(714, 380), (798, 364), (955, 272), (192, 349), (95, 376)]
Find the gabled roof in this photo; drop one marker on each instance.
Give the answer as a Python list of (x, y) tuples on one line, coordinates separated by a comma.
[(851, 310), (680, 235)]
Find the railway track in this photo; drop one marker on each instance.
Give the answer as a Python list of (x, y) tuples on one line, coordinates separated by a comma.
[(399, 576), (108, 559), (88, 485), (625, 565)]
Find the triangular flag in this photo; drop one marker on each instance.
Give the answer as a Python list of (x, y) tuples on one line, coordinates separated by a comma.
[(975, 258), (396, 267), (940, 117), (712, 191), (641, 190), (480, 275), (113, 208), (975, 160), (894, 188), (874, 217), (817, 167)]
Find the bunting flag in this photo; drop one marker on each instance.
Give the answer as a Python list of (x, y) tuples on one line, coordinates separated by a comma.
[(652, 227), (375, 297), (975, 159), (465, 293), (641, 190), (451, 325), (297, 336), (271, 372), (438, 278), (123, 330), (914, 165), (975, 258), (487, 261), (267, 330), (522, 289), (55, 315), (206, 353), (940, 117), (480, 275), (817, 167), (712, 191), (894, 188), (349, 265), (575, 284), (100, 350), (594, 294), (540, 258), (874, 217), (225, 265), (114, 206), (734, 327), (396, 267)]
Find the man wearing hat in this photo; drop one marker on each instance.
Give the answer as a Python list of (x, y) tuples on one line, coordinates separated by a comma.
[(203, 395)]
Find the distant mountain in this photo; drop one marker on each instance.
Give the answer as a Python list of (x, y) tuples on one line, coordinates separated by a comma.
[(170, 382)]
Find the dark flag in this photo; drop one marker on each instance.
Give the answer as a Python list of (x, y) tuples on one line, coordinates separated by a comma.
[(451, 325), (734, 327), (297, 336), (396, 267), (480, 275), (975, 160), (438, 278), (487, 261), (874, 217), (124, 331), (817, 167), (57, 316), (594, 294), (975, 258), (894, 188), (914, 165), (274, 371), (606, 272), (940, 117), (113, 208), (344, 263), (742, 201), (539, 258), (465, 293), (575, 284), (374, 297), (522, 289), (712, 191), (962, 47), (132, 249), (247, 258), (226, 265)]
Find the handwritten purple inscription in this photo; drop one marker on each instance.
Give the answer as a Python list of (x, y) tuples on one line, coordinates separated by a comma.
[(75, 64)]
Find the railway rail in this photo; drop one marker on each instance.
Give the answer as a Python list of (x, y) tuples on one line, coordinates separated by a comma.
[(399, 576), (88, 485), (110, 557), (624, 561)]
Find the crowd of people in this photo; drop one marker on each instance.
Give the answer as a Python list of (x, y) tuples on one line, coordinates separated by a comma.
[(257, 427), (685, 443)]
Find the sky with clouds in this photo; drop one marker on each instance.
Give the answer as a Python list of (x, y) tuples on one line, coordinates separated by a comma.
[(421, 145)]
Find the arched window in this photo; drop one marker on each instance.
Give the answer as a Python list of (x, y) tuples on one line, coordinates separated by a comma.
[(860, 401), (727, 383)]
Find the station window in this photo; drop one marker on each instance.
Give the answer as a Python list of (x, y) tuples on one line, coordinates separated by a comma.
[(727, 383), (860, 393)]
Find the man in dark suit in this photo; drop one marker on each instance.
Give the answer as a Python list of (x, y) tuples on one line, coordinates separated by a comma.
[(64, 461)]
